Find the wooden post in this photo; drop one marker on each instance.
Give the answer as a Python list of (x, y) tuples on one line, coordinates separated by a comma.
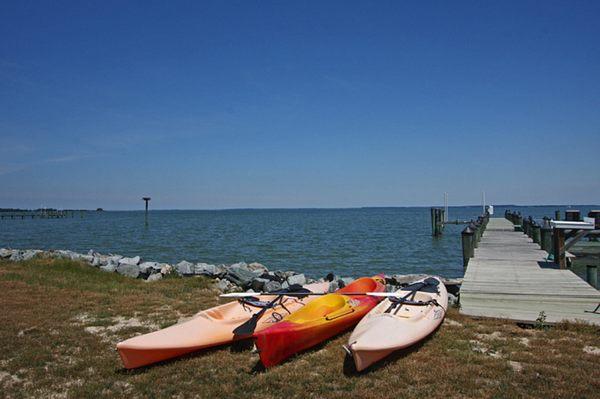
[(437, 222), (557, 214), (529, 227), (525, 226), (519, 220), (559, 248), (475, 227), (146, 199), (536, 234), (440, 221), (592, 275), (546, 236), (467, 245)]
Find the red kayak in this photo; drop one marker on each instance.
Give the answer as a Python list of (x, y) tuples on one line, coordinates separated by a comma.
[(319, 320)]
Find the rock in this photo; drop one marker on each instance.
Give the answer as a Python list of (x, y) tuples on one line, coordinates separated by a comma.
[(250, 291), (154, 277), (255, 267), (165, 269), (224, 285), (341, 283), (30, 254), (207, 270), (185, 268), (240, 276), (452, 300), (271, 276), (240, 265), (403, 279), (391, 288), (129, 270), (109, 267), (285, 285), (87, 258), (258, 283), (280, 276), (297, 279), (272, 286), (16, 256), (114, 258), (130, 261), (333, 286), (73, 255), (149, 268), (347, 280), (5, 253), (99, 260)]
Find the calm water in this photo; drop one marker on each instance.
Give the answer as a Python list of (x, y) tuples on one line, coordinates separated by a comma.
[(348, 242)]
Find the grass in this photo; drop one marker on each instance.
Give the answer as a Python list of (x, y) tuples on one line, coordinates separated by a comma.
[(60, 321)]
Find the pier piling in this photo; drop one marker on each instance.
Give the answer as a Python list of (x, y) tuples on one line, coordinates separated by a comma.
[(559, 248), (437, 221), (536, 233), (468, 251), (546, 236), (146, 200), (592, 275)]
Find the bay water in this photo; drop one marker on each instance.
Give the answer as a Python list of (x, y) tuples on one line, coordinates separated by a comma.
[(347, 242)]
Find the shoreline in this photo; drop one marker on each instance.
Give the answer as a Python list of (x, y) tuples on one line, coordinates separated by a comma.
[(236, 277)]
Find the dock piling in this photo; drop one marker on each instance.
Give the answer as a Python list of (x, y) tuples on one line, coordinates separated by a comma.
[(468, 251), (559, 248), (592, 275), (546, 235), (146, 200), (536, 233), (437, 221)]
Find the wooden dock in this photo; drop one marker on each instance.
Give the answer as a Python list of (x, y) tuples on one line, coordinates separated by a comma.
[(509, 277)]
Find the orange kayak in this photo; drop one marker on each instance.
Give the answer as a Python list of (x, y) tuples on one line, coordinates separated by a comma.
[(212, 327), (321, 319)]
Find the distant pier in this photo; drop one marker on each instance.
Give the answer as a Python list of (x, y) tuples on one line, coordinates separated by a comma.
[(40, 215), (509, 276)]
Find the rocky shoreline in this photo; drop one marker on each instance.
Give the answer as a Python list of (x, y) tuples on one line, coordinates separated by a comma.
[(237, 277)]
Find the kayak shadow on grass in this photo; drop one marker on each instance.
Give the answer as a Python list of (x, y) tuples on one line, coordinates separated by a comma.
[(260, 368), (349, 367)]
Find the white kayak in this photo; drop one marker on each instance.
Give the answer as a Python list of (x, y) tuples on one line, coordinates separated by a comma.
[(403, 319)]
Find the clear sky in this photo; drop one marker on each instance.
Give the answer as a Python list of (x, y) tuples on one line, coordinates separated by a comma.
[(298, 104)]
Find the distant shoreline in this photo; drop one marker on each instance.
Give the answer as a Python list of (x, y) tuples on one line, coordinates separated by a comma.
[(294, 208)]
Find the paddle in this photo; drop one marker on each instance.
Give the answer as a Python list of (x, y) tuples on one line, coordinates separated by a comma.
[(299, 294), (248, 327)]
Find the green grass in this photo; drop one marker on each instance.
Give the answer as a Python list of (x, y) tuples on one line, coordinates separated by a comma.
[(60, 321)]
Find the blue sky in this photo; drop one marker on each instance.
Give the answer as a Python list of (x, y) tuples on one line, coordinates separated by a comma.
[(298, 104)]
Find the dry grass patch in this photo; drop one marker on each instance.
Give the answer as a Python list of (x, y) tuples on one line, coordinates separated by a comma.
[(60, 322)]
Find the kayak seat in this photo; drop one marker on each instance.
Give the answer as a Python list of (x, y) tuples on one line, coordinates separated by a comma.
[(318, 309)]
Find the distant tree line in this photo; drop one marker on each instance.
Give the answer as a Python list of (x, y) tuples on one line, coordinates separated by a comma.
[(39, 210)]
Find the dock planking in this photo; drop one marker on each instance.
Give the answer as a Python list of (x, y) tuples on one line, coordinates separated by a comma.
[(509, 277)]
